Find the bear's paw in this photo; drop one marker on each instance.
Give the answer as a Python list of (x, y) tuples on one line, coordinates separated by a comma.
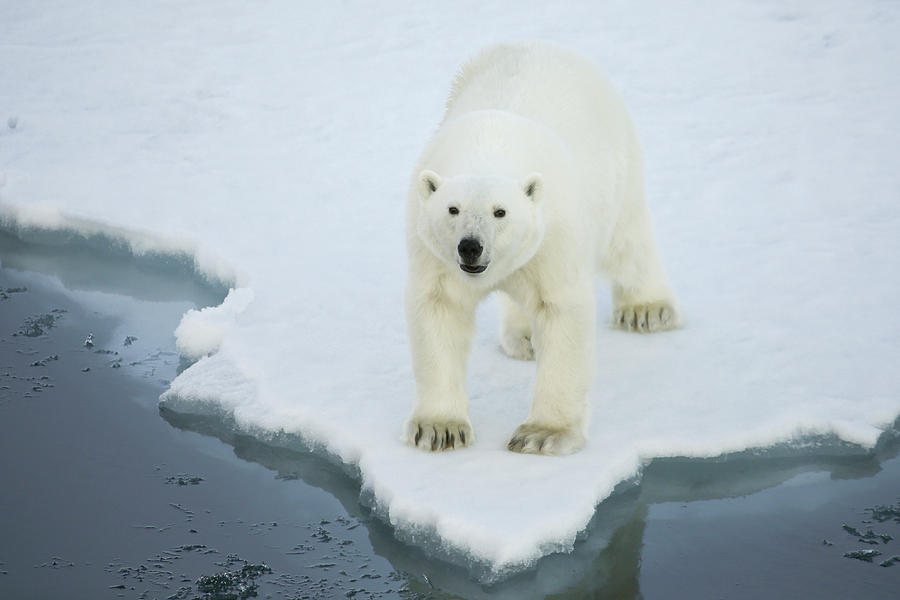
[(435, 436), (531, 438), (517, 346), (645, 318)]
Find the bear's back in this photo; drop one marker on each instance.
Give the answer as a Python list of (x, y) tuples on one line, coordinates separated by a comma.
[(552, 86)]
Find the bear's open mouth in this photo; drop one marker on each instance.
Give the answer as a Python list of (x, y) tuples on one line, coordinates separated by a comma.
[(474, 269)]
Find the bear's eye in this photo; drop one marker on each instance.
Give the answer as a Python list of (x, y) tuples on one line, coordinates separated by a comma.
[(499, 213), (453, 210)]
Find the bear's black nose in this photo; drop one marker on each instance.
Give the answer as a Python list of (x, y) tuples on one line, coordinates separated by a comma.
[(469, 250)]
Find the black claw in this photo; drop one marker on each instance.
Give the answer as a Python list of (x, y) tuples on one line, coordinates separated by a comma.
[(434, 440), (418, 434), (451, 440), (462, 437)]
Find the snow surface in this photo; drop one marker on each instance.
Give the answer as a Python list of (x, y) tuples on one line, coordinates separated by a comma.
[(272, 144)]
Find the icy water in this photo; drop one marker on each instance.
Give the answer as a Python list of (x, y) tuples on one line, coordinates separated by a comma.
[(102, 495)]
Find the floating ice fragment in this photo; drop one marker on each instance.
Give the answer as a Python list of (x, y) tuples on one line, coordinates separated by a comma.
[(184, 480), (38, 326), (890, 562), (233, 584), (883, 513), (4, 294), (864, 555), (43, 362)]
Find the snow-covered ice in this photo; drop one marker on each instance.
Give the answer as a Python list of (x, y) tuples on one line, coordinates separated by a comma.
[(271, 144)]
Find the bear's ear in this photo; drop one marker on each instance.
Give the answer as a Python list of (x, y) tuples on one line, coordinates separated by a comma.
[(534, 187), (429, 182)]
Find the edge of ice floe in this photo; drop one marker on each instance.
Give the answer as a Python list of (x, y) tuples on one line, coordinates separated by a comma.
[(25, 221), (201, 331)]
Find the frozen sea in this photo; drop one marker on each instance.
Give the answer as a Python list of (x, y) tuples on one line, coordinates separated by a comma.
[(263, 151)]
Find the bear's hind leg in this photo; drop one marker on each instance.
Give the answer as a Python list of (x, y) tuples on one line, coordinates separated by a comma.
[(515, 329), (642, 297)]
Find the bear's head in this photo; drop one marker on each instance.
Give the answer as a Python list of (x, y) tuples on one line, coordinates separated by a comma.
[(482, 227)]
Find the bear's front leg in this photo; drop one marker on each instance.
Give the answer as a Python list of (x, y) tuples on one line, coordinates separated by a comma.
[(440, 334), (564, 346)]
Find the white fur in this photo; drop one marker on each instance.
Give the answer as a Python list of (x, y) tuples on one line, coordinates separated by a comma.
[(536, 131)]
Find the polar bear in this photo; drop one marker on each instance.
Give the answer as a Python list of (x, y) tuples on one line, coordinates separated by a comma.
[(531, 185)]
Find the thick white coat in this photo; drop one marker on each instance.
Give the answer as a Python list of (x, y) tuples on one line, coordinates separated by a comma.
[(536, 132)]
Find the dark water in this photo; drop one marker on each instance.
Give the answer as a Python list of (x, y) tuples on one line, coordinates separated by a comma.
[(102, 495)]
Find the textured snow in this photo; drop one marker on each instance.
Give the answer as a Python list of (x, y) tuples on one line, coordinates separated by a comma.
[(201, 332), (272, 145)]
